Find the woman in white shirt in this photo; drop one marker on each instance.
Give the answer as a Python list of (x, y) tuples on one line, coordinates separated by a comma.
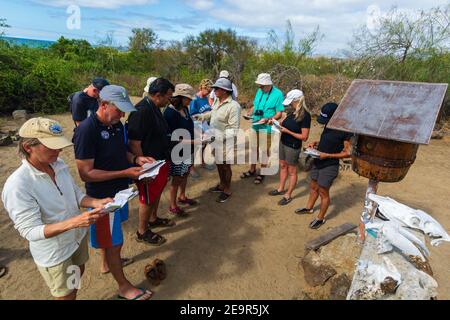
[(44, 203)]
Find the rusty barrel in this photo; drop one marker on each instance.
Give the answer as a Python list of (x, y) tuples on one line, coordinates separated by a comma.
[(382, 160)]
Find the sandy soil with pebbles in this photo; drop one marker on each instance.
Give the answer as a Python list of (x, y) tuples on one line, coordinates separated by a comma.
[(247, 248)]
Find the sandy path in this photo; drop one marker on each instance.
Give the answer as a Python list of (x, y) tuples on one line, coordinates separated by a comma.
[(247, 248)]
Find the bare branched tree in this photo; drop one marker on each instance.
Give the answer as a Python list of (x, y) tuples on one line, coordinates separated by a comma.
[(305, 47), (402, 35)]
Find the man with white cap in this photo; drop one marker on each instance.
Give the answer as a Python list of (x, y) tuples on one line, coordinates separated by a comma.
[(103, 162), (234, 94), (44, 204), (267, 105), (224, 119)]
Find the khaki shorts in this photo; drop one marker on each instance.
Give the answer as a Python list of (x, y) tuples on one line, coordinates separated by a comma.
[(56, 277), (260, 146)]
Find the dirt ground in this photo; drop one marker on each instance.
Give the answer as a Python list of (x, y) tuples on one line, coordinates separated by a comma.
[(247, 248)]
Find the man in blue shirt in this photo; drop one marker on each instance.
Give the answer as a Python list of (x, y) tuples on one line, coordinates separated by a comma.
[(104, 162), (84, 103), (267, 105)]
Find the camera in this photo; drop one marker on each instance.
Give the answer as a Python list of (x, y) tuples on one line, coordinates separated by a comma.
[(259, 113)]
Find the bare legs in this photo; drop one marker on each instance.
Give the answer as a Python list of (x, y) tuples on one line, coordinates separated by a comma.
[(225, 175), (317, 191)]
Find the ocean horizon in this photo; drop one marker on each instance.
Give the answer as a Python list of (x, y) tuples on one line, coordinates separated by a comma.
[(32, 43)]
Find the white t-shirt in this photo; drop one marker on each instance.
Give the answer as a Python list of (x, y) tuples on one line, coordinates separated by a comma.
[(33, 200)]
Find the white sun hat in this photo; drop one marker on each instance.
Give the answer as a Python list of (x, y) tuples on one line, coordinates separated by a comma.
[(149, 82), (292, 95), (224, 74), (264, 79)]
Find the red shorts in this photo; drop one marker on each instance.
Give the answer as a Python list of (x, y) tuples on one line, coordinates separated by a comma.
[(151, 190)]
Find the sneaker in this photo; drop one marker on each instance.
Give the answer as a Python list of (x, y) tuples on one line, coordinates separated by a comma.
[(316, 224), (223, 197), (284, 201), (304, 211)]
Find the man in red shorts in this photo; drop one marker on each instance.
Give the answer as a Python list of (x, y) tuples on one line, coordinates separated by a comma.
[(149, 136)]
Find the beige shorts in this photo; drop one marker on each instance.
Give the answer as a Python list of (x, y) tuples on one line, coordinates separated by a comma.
[(57, 277)]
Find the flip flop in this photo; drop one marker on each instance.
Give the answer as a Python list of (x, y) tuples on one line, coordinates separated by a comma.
[(143, 292), (125, 262), (152, 274)]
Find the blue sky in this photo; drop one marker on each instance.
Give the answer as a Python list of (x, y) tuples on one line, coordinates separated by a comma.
[(175, 19)]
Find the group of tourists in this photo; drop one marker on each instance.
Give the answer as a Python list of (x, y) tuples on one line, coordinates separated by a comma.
[(44, 202)]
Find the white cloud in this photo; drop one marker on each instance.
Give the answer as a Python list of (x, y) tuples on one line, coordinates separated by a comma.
[(105, 4), (201, 4), (337, 18)]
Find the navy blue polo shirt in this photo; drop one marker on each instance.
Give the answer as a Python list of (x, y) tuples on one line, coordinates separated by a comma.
[(106, 145), (82, 106)]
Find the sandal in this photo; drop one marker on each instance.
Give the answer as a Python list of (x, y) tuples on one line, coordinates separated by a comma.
[(248, 174), (275, 192), (190, 202), (152, 274), (151, 238), (161, 222), (284, 201), (139, 296), (178, 212), (161, 268), (259, 179)]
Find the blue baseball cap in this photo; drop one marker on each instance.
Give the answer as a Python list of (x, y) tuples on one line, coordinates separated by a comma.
[(326, 112), (100, 83), (119, 96)]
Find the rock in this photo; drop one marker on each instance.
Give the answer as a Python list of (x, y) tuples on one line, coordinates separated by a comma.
[(417, 285), (414, 285), (5, 140), (437, 135), (339, 287), (342, 253), (20, 115), (316, 272)]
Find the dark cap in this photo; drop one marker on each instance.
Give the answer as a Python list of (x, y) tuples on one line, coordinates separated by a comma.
[(99, 83), (327, 112)]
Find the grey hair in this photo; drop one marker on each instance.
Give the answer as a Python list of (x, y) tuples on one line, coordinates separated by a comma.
[(28, 142)]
